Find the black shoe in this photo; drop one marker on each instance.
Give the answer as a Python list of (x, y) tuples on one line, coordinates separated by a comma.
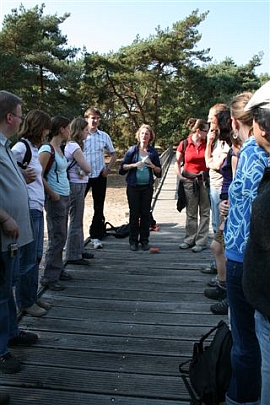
[(78, 262), (9, 364), (87, 255), (64, 276), (220, 308), (23, 339), (4, 398), (145, 246), (133, 247), (216, 293), (55, 286)]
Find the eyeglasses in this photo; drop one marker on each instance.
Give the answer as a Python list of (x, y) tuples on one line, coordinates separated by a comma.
[(18, 116)]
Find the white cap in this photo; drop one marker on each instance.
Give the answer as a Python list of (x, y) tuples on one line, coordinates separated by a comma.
[(261, 98)]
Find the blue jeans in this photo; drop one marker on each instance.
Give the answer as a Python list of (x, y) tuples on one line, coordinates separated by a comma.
[(30, 256), (8, 312), (263, 334), (245, 384), (215, 201)]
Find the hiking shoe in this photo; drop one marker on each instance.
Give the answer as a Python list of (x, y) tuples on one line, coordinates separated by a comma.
[(4, 398), (52, 285), (87, 255), (216, 293), (198, 248), (220, 308), (212, 269), (96, 244), (23, 339), (44, 304), (184, 245), (34, 310), (55, 286), (65, 276), (9, 364), (213, 282), (145, 246), (78, 262)]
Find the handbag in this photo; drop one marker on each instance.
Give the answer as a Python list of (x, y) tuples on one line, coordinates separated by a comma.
[(181, 201)]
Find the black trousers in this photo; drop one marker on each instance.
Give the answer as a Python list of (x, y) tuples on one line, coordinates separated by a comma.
[(139, 201), (98, 186)]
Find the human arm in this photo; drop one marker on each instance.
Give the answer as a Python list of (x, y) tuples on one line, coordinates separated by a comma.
[(178, 165), (20, 152), (80, 159), (109, 167), (8, 225), (44, 158)]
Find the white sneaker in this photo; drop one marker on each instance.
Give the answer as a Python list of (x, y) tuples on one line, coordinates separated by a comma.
[(96, 244)]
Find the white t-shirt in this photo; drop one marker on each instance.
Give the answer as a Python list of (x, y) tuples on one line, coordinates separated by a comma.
[(35, 189), (75, 173), (216, 177)]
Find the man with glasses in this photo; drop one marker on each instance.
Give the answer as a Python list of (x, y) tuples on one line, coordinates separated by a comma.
[(15, 232)]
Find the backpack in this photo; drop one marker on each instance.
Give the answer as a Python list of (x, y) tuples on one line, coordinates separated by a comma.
[(119, 232), (52, 159), (27, 156), (210, 367)]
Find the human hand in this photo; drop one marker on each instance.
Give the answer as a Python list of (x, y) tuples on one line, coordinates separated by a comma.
[(224, 208), (55, 197), (10, 228), (29, 175)]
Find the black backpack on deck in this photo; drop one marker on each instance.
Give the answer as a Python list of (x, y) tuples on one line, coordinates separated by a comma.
[(119, 232), (209, 368)]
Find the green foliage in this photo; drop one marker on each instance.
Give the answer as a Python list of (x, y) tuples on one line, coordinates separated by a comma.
[(162, 80)]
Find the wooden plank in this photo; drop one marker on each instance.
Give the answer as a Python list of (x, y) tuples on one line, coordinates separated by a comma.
[(119, 330)]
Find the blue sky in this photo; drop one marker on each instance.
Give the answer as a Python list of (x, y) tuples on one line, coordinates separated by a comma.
[(237, 29)]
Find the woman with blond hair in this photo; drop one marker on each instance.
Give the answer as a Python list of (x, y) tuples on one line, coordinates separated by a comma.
[(141, 163)]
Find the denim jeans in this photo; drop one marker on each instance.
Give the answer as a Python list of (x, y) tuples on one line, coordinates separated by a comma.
[(245, 384), (263, 334), (8, 312), (139, 201), (215, 201), (30, 256)]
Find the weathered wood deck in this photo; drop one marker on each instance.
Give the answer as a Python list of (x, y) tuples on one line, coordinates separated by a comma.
[(119, 330)]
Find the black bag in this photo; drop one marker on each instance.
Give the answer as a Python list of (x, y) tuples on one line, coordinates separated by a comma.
[(210, 367), (181, 201), (121, 231)]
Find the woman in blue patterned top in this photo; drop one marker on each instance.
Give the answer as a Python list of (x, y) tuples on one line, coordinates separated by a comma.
[(245, 384)]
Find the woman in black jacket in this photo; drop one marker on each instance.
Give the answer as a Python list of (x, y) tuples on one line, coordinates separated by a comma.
[(141, 163)]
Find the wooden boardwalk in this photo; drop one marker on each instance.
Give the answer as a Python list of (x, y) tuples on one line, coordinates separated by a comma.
[(118, 332)]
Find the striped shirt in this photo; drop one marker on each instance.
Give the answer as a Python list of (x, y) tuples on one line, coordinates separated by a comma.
[(94, 150)]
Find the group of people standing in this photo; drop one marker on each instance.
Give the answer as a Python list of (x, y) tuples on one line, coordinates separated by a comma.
[(38, 173), (235, 151), (223, 165), (51, 167)]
